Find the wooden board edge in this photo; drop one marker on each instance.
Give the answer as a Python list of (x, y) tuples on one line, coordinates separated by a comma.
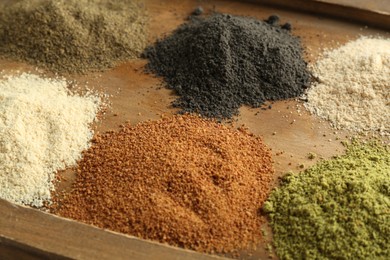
[(374, 5), (11, 249), (33, 234), (366, 17)]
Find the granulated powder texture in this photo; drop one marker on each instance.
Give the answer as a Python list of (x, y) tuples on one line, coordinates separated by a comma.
[(72, 35), (339, 209), (354, 86), (43, 128), (222, 62), (181, 180)]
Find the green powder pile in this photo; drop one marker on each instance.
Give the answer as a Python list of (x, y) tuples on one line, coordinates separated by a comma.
[(73, 36), (339, 209)]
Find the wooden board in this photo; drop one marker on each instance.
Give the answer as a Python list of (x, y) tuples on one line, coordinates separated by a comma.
[(379, 6), (30, 234), (371, 13)]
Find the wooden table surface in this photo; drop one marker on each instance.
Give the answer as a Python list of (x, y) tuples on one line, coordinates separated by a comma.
[(381, 6), (136, 97)]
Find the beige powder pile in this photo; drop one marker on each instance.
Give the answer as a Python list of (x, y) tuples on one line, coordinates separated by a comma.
[(354, 86), (43, 128)]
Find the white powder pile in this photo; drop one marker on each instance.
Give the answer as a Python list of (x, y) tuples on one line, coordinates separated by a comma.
[(43, 129), (354, 86)]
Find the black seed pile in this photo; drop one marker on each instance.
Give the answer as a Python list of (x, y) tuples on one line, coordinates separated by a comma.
[(219, 63)]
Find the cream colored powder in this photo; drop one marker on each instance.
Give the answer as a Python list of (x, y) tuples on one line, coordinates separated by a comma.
[(354, 86), (43, 129)]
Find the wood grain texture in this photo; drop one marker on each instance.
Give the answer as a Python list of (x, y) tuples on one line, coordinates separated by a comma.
[(11, 249), (27, 233), (379, 6), (369, 13), (30, 234)]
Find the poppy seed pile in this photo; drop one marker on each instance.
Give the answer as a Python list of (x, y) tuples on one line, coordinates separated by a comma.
[(222, 62)]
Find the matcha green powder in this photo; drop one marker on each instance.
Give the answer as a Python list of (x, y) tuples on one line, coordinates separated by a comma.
[(338, 209)]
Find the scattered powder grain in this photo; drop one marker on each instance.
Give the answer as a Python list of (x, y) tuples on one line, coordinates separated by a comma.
[(339, 209), (354, 86), (182, 180), (72, 35), (222, 62), (43, 128)]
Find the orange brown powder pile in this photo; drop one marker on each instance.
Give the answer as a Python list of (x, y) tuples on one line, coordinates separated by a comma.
[(182, 180)]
